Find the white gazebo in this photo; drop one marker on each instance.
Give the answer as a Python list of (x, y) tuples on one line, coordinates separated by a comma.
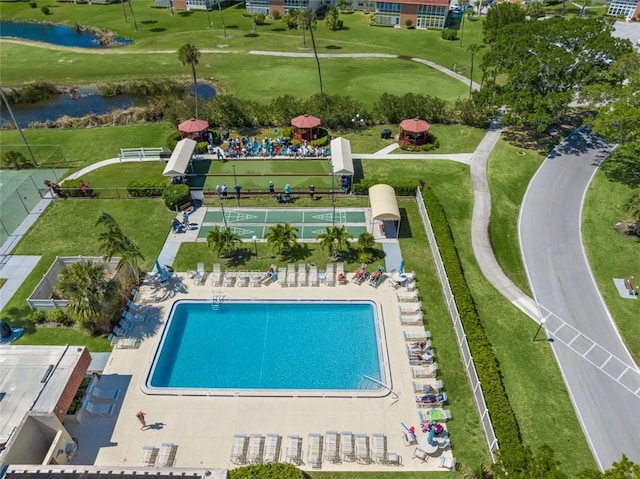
[(180, 158), (384, 210), (341, 160)]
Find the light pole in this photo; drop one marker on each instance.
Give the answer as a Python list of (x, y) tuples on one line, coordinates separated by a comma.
[(224, 217), (333, 196), (236, 187), (253, 19), (542, 321), (255, 244), (357, 122), (224, 29)]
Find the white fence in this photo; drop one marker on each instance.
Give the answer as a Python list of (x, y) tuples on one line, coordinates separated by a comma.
[(467, 359)]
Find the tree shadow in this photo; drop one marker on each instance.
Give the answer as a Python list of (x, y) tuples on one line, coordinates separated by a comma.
[(231, 27), (158, 30), (334, 47), (299, 252), (279, 29), (240, 257), (186, 13), (149, 22), (622, 169), (251, 35)]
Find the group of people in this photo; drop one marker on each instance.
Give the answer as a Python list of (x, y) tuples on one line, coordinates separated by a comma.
[(58, 191), (223, 192), (180, 227), (267, 148)]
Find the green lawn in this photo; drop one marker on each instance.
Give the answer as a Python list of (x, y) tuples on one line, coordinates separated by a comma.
[(612, 255), (509, 171)]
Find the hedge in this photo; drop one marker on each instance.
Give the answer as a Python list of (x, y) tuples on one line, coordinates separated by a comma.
[(503, 418), (140, 188), (267, 471), (175, 196), (402, 188)]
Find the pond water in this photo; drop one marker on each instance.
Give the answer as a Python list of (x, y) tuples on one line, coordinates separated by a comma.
[(88, 101), (57, 34)]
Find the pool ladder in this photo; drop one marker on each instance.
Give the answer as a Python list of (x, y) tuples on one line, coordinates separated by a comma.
[(217, 300)]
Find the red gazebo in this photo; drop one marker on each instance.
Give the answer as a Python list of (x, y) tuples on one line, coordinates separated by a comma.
[(192, 128), (305, 127), (414, 132)]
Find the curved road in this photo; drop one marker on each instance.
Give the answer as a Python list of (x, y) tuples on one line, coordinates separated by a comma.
[(600, 374)]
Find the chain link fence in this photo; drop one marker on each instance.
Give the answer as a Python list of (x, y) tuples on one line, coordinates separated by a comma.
[(461, 338)]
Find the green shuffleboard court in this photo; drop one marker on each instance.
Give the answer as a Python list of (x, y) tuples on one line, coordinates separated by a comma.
[(310, 222)]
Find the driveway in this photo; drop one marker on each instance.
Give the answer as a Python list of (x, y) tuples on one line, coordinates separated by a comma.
[(602, 378)]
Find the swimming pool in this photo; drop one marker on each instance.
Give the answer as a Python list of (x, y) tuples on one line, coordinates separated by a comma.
[(271, 348)]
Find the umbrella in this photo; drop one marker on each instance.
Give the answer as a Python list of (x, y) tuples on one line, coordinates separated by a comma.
[(193, 126), (415, 126), (306, 121), (401, 268)]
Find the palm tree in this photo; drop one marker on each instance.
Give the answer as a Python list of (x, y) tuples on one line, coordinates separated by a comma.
[(366, 241), (281, 238), (473, 49), (113, 242), (85, 287), (334, 239), (133, 16), (223, 241), (308, 19), (188, 54)]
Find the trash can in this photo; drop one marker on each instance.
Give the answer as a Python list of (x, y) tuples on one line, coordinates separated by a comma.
[(385, 134)]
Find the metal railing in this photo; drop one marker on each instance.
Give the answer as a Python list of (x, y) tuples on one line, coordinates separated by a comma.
[(461, 337)]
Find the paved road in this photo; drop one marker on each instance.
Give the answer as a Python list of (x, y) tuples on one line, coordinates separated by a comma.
[(597, 368)]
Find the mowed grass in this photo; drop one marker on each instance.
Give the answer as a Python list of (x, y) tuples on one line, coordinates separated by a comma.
[(537, 394), (509, 171), (67, 228), (612, 255)]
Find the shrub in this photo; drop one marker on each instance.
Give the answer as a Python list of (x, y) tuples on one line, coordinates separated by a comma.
[(45, 10), (37, 317), (33, 4), (140, 188), (286, 132), (449, 34), (320, 141), (408, 23), (267, 471), (259, 18), (175, 196), (58, 316), (14, 159), (502, 416), (402, 188), (201, 147), (276, 15), (71, 188), (432, 144)]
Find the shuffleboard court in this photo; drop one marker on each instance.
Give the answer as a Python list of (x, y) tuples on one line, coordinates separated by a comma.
[(304, 232)]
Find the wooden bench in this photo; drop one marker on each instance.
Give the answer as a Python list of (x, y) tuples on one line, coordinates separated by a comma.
[(188, 207)]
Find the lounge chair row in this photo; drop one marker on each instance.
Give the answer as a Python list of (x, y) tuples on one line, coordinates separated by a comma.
[(446, 462), (302, 275), (164, 456), (333, 447)]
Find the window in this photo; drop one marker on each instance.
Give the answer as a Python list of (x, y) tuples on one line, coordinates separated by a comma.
[(388, 7)]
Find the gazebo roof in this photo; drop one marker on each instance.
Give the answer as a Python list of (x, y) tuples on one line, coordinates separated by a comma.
[(415, 125), (193, 126), (306, 121)]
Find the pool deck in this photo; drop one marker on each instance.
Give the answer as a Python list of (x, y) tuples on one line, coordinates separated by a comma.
[(203, 427)]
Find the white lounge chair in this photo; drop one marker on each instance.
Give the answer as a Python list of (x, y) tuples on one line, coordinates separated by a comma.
[(313, 276), (166, 455), (427, 415), (149, 455), (282, 276), (99, 394), (362, 449), (421, 454), (243, 279), (254, 279), (120, 331), (216, 276), (424, 372), (340, 273), (428, 387), (412, 319), (271, 449), (302, 274), (134, 318), (125, 324), (440, 399), (416, 336), (256, 449), (448, 462), (346, 446), (137, 309), (410, 308), (239, 449), (94, 409), (314, 452), (379, 446), (330, 277), (331, 447), (294, 455), (291, 275), (229, 278), (122, 343), (407, 296)]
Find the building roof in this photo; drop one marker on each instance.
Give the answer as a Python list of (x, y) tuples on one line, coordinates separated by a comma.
[(180, 158), (341, 160), (306, 121), (193, 126), (415, 125), (384, 205), (442, 3), (32, 379)]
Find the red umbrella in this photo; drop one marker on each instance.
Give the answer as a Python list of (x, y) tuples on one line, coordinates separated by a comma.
[(193, 126), (306, 121), (415, 126)]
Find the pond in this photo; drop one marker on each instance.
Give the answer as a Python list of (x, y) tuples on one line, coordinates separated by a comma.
[(63, 35), (87, 101)]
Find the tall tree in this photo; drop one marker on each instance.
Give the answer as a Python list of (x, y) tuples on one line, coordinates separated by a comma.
[(113, 242), (281, 238), (223, 241), (188, 54), (499, 16), (473, 49), (133, 16), (334, 240), (306, 21), (332, 20)]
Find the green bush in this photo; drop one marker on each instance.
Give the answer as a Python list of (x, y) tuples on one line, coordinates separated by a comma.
[(432, 144), (286, 132), (71, 188), (172, 141), (276, 15), (45, 10), (502, 416), (402, 188), (267, 471), (33, 4), (408, 23), (139, 188), (15, 159), (320, 141), (201, 147), (259, 18), (37, 317), (449, 34), (58, 316), (175, 196)]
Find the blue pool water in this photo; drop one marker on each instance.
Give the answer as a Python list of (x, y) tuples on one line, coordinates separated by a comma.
[(269, 345)]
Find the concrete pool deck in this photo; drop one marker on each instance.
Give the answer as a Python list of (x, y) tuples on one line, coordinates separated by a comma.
[(203, 427)]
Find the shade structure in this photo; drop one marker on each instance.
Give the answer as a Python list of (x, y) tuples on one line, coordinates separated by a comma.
[(306, 121), (384, 209), (193, 126), (341, 160), (415, 126), (180, 158)]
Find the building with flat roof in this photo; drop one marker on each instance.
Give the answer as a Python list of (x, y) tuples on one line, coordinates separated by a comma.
[(626, 8)]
